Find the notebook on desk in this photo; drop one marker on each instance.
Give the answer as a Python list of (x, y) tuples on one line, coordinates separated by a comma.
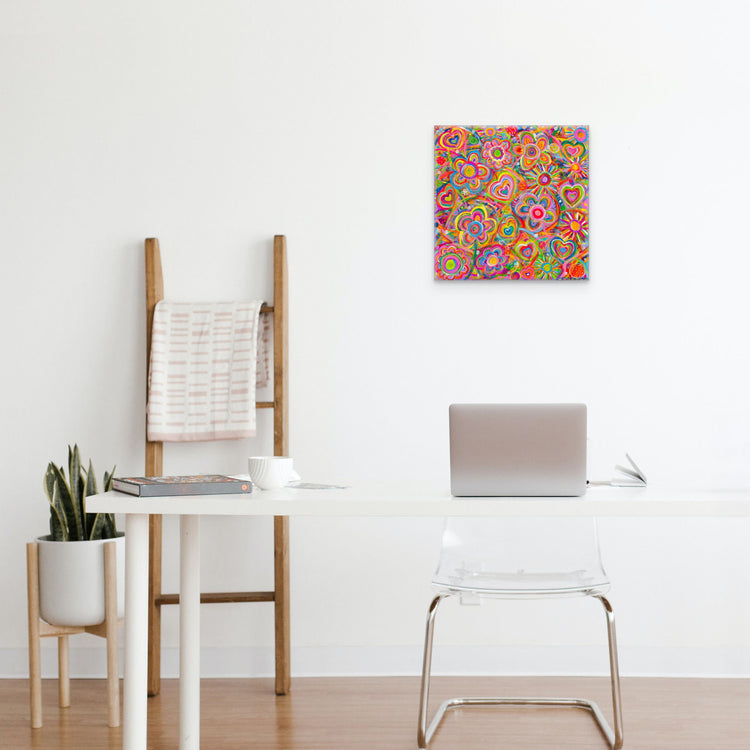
[(517, 450)]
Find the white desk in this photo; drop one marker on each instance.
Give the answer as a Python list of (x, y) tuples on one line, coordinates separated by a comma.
[(405, 499)]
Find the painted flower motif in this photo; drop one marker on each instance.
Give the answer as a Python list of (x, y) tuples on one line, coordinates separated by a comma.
[(581, 134), (497, 153), (487, 134), (543, 178), (537, 212), (578, 269), (493, 261), (532, 149), (577, 170), (470, 173), (452, 262), (476, 225), (574, 225), (548, 267)]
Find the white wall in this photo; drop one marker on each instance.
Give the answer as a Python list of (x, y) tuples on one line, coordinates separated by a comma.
[(216, 125)]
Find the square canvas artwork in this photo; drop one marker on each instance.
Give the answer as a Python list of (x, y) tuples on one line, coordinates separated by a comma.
[(511, 203)]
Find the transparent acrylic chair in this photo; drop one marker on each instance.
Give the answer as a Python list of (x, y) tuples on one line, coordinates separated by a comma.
[(520, 558)]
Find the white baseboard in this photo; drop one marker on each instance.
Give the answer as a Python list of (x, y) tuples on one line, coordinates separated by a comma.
[(407, 660)]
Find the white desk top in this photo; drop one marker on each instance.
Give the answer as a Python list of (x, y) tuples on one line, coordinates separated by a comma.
[(413, 499)]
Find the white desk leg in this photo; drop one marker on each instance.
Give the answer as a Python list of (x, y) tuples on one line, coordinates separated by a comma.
[(134, 731), (190, 626)]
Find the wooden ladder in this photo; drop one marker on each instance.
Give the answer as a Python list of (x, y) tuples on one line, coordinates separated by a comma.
[(154, 467)]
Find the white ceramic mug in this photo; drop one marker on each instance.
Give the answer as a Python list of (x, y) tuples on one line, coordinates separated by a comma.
[(270, 472)]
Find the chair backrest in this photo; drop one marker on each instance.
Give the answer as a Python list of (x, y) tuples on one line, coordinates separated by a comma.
[(527, 555)]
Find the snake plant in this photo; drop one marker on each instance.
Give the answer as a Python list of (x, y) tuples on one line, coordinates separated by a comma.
[(68, 520)]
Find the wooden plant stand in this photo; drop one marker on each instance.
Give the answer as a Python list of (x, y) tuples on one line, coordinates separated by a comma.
[(39, 629)]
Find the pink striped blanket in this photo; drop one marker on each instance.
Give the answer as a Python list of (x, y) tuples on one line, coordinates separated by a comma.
[(203, 370)]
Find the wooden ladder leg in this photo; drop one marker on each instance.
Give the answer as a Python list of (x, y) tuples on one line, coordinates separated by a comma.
[(63, 670), (111, 623), (154, 608), (281, 448), (154, 460), (281, 604), (35, 666)]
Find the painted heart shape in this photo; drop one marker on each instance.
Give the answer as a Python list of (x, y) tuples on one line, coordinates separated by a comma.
[(562, 250), (572, 195), (453, 139), (509, 227), (503, 188), (574, 151), (446, 197)]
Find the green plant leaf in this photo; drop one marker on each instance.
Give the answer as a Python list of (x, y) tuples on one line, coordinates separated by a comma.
[(89, 489), (110, 526), (71, 509), (77, 487), (69, 520), (98, 527), (58, 528), (108, 477), (103, 526), (49, 482)]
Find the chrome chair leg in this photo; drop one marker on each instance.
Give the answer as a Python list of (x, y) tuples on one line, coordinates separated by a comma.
[(423, 736), (424, 732), (614, 673)]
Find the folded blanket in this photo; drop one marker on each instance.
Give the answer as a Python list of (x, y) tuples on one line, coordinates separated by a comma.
[(263, 360), (202, 374)]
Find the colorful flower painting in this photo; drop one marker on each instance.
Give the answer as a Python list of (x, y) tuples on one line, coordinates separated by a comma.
[(511, 203)]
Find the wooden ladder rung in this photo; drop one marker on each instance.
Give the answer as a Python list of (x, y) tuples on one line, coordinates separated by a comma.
[(230, 597)]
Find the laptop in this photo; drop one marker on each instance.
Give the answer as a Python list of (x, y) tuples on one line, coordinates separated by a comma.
[(517, 450)]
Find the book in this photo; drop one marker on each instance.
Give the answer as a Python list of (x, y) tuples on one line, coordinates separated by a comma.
[(625, 476), (199, 484), (630, 477)]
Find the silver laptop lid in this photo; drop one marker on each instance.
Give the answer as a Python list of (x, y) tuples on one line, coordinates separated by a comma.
[(517, 450)]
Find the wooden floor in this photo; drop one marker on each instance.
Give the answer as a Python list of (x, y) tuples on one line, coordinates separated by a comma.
[(380, 714)]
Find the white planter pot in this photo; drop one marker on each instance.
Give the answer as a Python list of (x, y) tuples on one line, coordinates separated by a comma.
[(71, 580)]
